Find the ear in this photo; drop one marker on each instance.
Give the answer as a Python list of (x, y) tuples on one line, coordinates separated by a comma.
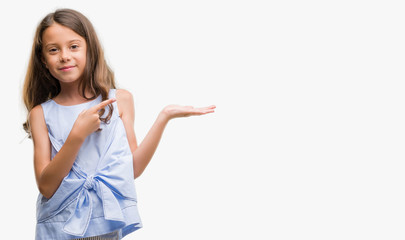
[(43, 61)]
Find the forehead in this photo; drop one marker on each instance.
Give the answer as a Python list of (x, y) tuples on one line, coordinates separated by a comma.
[(58, 34)]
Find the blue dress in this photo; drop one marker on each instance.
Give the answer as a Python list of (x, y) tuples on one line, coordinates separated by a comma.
[(98, 195)]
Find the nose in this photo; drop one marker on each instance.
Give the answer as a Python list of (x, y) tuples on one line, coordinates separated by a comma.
[(64, 56)]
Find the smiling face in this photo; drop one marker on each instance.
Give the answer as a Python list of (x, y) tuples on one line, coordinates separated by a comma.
[(64, 53)]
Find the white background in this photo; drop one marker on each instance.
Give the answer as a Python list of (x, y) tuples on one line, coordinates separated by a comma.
[(307, 141)]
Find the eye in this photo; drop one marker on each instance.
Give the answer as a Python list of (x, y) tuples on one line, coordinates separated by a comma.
[(52, 50), (75, 46)]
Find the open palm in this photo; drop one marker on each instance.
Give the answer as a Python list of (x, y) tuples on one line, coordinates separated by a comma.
[(175, 111)]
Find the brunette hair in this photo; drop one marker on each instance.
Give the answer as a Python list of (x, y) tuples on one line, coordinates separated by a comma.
[(40, 85)]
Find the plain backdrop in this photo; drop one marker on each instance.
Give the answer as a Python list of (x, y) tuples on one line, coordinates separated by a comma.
[(307, 141)]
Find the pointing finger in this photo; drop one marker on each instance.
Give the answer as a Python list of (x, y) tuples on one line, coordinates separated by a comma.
[(103, 104)]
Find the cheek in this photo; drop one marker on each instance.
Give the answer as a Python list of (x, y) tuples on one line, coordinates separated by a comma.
[(83, 61), (49, 62)]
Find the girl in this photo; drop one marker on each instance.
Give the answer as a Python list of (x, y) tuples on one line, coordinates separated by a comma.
[(85, 151)]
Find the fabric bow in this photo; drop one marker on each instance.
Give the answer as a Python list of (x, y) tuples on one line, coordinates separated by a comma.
[(79, 219), (109, 182)]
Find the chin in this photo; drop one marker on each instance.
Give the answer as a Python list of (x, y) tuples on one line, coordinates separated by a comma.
[(67, 81)]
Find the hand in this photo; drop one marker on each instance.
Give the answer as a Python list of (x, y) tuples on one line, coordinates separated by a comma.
[(175, 111), (88, 120)]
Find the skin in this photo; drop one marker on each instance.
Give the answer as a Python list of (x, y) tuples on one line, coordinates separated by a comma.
[(64, 55), (63, 47)]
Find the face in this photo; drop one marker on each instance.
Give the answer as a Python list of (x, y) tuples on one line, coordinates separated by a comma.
[(64, 53)]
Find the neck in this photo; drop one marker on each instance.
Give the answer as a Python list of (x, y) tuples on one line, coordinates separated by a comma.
[(71, 94)]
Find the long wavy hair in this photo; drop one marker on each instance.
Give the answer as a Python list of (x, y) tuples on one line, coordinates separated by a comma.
[(40, 85)]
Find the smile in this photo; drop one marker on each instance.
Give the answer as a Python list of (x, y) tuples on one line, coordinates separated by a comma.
[(67, 68)]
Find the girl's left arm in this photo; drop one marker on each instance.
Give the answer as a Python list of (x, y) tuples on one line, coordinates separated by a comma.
[(144, 153)]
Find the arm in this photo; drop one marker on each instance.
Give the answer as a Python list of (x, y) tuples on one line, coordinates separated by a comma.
[(147, 148), (144, 153), (49, 174)]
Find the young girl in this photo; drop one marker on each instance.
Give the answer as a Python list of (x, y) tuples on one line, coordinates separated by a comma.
[(85, 150)]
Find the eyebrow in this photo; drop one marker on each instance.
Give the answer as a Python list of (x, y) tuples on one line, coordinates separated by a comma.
[(74, 40)]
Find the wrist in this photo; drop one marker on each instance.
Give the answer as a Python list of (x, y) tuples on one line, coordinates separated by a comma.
[(163, 116), (76, 136)]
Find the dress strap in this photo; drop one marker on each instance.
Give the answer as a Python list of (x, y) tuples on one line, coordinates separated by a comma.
[(112, 94)]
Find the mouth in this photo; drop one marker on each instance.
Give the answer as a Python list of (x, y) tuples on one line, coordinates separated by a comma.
[(66, 68)]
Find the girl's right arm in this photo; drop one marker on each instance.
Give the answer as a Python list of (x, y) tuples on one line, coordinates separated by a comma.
[(49, 174)]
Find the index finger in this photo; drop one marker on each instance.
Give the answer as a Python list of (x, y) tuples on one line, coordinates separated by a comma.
[(103, 104)]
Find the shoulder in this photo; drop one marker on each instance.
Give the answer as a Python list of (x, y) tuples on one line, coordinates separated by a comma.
[(37, 123), (125, 101), (36, 113), (124, 95)]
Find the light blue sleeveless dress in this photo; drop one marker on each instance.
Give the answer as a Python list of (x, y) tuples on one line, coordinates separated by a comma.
[(98, 195)]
